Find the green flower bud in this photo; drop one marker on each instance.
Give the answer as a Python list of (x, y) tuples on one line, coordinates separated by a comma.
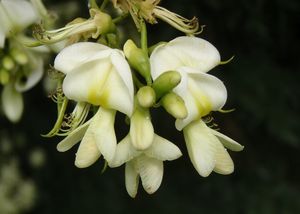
[(146, 96), (174, 105), (8, 63), (20, 57), (137, 59), (4, 76), (165, 83)]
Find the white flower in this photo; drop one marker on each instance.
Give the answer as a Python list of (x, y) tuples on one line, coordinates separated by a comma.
[(192, 57), (15, 16), (206, 149), (148, 164), (96, 74), (22, 66)]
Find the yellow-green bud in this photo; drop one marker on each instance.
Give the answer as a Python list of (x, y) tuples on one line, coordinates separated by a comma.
[(8, 63), (4, 76), (20, 57), (137, 59), (146, 96), (166, 82), (103, 21), (174, 105)]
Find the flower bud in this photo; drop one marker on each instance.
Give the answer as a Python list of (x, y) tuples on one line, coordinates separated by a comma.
[(19, 56), (141, 129), (4, 76), (174, 105), (146, 96), (137, 59), (166, 82), (8, 63)]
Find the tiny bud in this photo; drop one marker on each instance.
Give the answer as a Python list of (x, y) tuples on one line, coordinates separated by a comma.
[(146, 96), (8, 63), (137, 59), (4, 76), (166, 82), (20, 57), (174, 105)]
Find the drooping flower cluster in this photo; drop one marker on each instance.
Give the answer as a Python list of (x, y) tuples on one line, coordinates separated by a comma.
[(21, 67), (104, 80)]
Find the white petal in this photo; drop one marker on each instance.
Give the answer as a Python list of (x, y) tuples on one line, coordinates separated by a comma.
[(78, 53), (163, 150), (12, 103), (104, 132), (201, 147), (183, 91), (88, 152), (184, 51), (73, 138), (202, 84), (131, 179), (123, 69), (224, 164), (151, 171), (5, 24), (98, 83), (141, 130), (124, 152), (21, 13), (35, 73), (228, 142), (201, 92)]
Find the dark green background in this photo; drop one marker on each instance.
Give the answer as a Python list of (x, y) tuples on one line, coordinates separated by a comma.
[(263, 86)]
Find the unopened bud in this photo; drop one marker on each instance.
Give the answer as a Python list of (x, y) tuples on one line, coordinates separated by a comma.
[(103, 22), (4, 76), (174, 105), (20, 57), (141, 129), (137, 59), (8, 63), (165, 83), (146, 96)]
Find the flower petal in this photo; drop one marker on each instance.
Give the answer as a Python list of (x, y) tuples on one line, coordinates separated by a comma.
[(124, 152), (163, 150), (73, 138), (97, 82), (78, 53), (201, 92), (151, 171), (224, 164), (131, 179), (12, 103), (104, 132), (141, 129), (88, 152), (34, 74), (228, 142), (21, 13), (201, 147), (184, 51)]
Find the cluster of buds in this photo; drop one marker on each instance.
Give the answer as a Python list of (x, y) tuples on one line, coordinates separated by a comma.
[(103, 79)]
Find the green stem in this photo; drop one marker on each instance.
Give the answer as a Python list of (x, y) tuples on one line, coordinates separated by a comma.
[(93, 4), (120, 18), (103, 5), (136, 81), (144, 40), (144, 46)]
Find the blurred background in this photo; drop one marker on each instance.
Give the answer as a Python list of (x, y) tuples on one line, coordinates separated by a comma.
[(263, 86)]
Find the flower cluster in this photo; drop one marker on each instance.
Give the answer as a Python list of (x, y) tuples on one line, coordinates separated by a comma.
[(21, 67), (103, 79)]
